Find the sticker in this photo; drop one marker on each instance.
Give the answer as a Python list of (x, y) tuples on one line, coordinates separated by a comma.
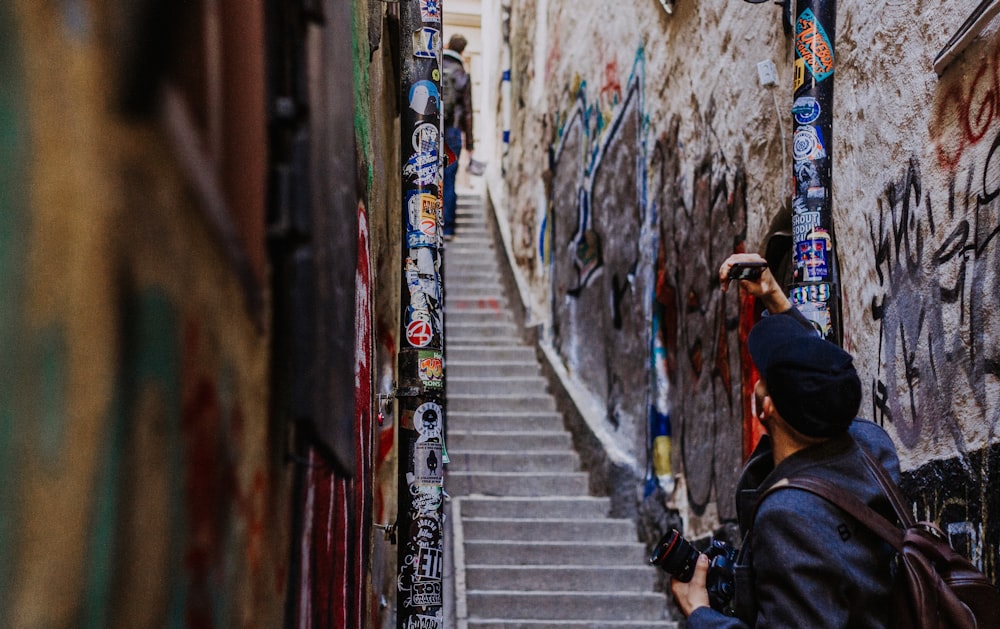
[(426, 137), (419, 333), (430, 10), (808, 144), (426, 593), (811, 293), (421, 621), (803, 224), (436, 75), (430, 369), (429, 564), (428, 468), (425, 297), (806, 110), (426, 43), (799, 72), (813, 46), (427, 421), (425, 500), (425, 98), (422, 212), (815, 310), (422, 168), (806, 175), (811, 255)]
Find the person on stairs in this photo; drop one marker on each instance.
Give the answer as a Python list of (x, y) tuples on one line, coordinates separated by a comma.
[(456, 86), (806, 562)]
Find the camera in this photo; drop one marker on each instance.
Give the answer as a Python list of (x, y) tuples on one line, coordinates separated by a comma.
[(747, 271), (675, 556)]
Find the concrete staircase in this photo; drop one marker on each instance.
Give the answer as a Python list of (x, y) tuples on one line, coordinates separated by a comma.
[(531, 547)]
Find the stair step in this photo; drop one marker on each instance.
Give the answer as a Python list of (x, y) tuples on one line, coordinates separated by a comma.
[(461, 441), (541, 529), (516, 483), (561, 577), (501, 402), (582, 507), (480, 385), (532, 553), (505, 461), (474, 303), (488, 354), (563, 605), (481, 317), (455, 327), (494, 369), (503, 422)]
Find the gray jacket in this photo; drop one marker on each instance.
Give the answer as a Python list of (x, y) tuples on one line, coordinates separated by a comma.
[(809, 563)]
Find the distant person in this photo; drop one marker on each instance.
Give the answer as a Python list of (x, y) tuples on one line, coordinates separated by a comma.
[(456, 86)]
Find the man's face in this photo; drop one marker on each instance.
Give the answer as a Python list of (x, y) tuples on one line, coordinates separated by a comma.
[(759, 393)]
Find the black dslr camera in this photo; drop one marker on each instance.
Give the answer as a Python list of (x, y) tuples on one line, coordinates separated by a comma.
[(675, 556)]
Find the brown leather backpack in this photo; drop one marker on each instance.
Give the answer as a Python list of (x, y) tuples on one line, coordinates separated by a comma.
[(935, 587)]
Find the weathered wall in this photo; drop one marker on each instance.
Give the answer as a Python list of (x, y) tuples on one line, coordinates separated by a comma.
[(643, 151), (143, 485), (157, 471)]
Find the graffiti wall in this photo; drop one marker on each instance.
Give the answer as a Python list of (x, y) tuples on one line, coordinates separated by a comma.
[(666, 148)]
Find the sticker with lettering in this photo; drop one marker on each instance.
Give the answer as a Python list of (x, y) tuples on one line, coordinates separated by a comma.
[(430, 369), (813, 46), (427, 421), (428, 469), (422, 168), (426, 43)]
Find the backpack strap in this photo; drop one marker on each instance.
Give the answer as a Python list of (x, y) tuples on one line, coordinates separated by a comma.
[(889, 487), (847, 502)]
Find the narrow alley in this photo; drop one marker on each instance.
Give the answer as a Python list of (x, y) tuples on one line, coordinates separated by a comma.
[(531, 547), (253, 380)]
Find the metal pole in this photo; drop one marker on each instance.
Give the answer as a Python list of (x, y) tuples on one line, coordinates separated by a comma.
[(420, 367), (815, 286)]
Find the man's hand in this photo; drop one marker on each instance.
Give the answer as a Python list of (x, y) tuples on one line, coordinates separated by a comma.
[(692, 595), (766, 288)]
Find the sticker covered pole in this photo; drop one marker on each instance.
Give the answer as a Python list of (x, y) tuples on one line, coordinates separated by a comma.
[(815, 286), (420, 368)]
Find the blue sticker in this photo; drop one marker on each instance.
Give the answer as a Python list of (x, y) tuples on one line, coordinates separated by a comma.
[(426, 43), (425, 99), (430, 10), (422, 168), (806, 110)]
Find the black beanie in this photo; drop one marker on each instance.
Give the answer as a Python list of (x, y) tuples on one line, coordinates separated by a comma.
[(812, 382)]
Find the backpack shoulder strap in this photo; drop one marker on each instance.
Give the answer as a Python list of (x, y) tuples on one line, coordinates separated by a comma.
[(889, 487), (847, 502)]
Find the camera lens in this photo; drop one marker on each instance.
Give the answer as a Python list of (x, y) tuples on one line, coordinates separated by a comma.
[(675, 556)]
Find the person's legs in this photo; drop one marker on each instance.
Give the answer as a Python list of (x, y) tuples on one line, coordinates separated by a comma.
[(452, 138)]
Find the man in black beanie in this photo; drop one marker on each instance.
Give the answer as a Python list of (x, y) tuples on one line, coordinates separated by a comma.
[(806, 562)]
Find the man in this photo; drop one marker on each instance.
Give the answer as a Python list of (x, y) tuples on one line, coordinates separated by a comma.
[(810, 564), (457, 88)]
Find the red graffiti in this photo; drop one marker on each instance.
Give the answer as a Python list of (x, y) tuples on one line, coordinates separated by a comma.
[(966, 111), (335, 538), (612, 87)]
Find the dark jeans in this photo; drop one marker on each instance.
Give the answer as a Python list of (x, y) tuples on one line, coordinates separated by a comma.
[(453, 139)]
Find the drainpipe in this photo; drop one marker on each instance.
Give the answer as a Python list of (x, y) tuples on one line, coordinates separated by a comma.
[(815, 288), (420, 367)]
